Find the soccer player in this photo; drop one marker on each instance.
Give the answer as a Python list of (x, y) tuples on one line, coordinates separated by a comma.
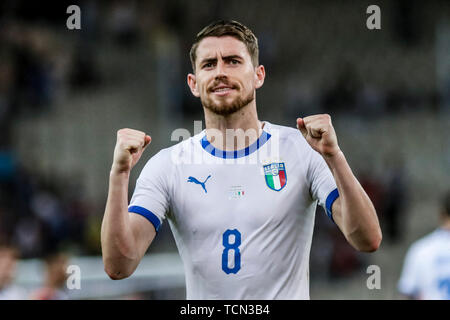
[(426, 269), (240, 197)]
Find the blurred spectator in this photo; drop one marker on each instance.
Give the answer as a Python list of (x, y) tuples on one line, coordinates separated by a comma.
[(321, 246), (31, 48), (8, 260), (84, 73), (7, 166), (394, 201), (47, 206), (28, 235), (167, 53), (301, 97), (426, 269), (371, 101), (55, 278), (123, 23), (76, 208), (374, 189), (6, 88), (345, 260), (342, 96), (406, 19)]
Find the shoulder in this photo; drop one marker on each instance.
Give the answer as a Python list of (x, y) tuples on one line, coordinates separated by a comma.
[(176, 154), (283, 131), (426, 245), (288, 135), (291, 139)]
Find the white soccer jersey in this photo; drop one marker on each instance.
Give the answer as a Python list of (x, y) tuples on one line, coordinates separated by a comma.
[(426, 270), (242, 220)]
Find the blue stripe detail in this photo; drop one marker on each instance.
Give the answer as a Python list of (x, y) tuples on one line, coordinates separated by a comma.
[(236, 153), (329, 202), (147, 214)]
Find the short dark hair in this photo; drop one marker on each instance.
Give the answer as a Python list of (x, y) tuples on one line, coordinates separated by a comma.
[(231, 28)]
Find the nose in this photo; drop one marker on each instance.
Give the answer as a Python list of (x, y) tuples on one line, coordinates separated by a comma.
[(220, 69)]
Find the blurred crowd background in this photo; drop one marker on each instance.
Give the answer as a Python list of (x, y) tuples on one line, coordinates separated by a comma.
[(64, 94)]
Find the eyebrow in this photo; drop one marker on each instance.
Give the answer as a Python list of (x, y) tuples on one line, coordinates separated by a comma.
[(230, 57)]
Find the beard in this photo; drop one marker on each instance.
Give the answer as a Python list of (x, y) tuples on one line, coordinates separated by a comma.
[(226, 108)]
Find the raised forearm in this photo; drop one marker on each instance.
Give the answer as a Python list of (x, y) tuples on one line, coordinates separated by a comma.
[(120, 250), (353, 211), (118, 243), (356, 215)]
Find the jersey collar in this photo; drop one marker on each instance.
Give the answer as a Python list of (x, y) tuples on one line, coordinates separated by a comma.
[(208, 147)]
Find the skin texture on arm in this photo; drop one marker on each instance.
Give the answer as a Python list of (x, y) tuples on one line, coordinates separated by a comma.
[(125, 237), (353, 211)]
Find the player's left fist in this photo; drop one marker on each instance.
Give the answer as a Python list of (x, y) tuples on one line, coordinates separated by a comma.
[(319, 133)]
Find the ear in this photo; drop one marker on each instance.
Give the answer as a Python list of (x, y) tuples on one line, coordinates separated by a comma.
[(192, 83), (260, 75)]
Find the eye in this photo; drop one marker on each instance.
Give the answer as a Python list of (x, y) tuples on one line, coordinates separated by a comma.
[(208, 65), (234, 61)]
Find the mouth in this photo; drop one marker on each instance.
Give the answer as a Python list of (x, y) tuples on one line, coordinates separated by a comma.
[(222, 90)]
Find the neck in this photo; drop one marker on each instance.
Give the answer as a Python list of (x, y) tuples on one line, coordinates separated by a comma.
[(235, 131)]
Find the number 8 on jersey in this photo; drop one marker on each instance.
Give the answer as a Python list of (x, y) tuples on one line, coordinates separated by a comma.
[(231, 246)]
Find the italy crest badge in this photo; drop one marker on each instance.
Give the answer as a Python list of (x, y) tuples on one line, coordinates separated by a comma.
[(275, 174)]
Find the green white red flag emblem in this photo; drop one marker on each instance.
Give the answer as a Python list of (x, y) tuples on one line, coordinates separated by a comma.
[(275, 174)]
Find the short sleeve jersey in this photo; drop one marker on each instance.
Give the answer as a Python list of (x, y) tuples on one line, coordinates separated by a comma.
[(242, 220), (426, 270)]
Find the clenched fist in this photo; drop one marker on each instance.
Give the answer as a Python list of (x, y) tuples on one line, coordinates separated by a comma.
[(129, 147), (319, 133)]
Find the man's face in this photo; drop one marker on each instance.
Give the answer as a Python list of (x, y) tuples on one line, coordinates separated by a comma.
[(225, 78)]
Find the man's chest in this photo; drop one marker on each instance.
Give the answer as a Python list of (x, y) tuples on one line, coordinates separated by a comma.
[(239, 195)]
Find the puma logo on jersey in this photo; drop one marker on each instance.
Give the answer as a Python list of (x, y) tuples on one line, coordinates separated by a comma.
[(194, 180)]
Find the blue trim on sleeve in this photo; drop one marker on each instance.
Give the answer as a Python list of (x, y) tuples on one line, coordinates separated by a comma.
[(329, 202), (147, 214)]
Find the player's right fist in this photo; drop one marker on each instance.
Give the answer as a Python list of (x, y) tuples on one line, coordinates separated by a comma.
[(129, 147)]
